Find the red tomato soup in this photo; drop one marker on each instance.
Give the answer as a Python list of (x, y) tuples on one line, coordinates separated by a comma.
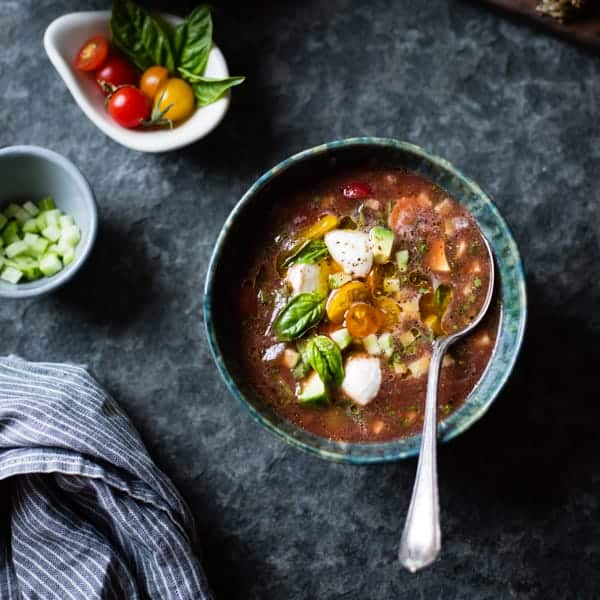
[(340, 304)]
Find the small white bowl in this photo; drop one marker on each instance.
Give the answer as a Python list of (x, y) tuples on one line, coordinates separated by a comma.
[(63, 38)]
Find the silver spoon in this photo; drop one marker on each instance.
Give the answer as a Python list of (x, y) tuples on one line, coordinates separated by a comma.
[(421, 539)]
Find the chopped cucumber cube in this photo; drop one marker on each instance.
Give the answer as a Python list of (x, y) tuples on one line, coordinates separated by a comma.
[(382, 240), (313, 391), (36, 242), (66, 221), (16, 248), (31, 208), (46, 204), (11, 233), (52, 217), (52, 233), (50, 264), (30, 226), (402, 260), (337, 280), (11, 275), (386, 343), (68, 256), (342, 338), (371, 344), (11, 210), (22, 216), (70, 236), (41, 221)]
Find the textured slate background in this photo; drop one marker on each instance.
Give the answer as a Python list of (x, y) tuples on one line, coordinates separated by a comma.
[(516, 110)]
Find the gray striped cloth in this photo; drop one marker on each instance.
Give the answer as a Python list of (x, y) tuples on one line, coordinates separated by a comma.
[(84, 512)]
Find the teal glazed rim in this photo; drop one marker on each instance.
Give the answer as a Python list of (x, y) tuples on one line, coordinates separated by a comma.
[(510, 330)]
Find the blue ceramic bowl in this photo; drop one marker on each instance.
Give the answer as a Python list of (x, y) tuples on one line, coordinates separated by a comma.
[(31, 173), (323, 159)]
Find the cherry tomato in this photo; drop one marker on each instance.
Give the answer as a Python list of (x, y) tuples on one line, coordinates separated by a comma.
[(341, 299), (115, 72), (92, 54), (357, 190), (129, 106), (175, 101), (153, 79), (362, 320)]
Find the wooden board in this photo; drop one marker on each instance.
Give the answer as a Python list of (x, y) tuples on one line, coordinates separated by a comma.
[(584, 30)]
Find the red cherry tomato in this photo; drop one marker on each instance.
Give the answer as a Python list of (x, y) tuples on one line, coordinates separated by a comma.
[(357, 190), (129, 106), (92, 54), (115, 72)]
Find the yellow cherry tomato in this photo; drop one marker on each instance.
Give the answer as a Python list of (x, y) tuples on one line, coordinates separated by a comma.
[(176, 99), (390, 309), (362, 320), (341, 299), (153, 79)]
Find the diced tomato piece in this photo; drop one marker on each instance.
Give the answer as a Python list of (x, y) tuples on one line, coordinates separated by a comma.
[(357, 190)]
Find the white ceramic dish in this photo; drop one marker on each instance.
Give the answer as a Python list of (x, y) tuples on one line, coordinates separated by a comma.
[(63, 38)]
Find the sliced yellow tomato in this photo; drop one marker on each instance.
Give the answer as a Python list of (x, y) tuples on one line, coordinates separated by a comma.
[(392, 312), (362, 320), (341, 299), (313, 232)]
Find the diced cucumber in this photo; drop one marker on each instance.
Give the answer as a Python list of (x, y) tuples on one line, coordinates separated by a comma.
[(31, 208), (371, 344), (22, 216), (11, 275), (313, 391), (41, 221), (342, 338), (28, 266), (66, 221), (38, 247), (31, 226), (52, 233), (386, 343), (50, 264), (70, 236), (16, 248), (11, 210), (382, 240), (68, 256), (11, 233), (35, 242), (46, 204), (402, 260), (52, 217), (337, 280)]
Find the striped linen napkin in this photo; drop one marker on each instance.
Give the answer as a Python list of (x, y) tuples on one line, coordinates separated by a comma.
[(84, 512)]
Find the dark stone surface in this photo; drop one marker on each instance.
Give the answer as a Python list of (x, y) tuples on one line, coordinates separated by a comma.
[(518, 111)]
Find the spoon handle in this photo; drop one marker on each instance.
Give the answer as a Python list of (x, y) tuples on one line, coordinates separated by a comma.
[(421, 539)]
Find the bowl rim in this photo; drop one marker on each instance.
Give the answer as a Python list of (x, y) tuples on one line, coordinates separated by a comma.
[(88, 200), (218, 357), (140, 141)]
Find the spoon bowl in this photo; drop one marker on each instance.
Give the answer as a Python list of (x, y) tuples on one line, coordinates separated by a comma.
[(421, 540)]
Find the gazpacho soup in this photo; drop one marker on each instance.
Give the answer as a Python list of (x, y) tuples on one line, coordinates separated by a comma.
[(340, 302)]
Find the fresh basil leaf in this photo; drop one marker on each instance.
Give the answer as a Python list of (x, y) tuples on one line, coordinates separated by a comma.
[(209, 89), (312, 253), (192, 41), (325, 357), (300, 314), (140, 36)]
